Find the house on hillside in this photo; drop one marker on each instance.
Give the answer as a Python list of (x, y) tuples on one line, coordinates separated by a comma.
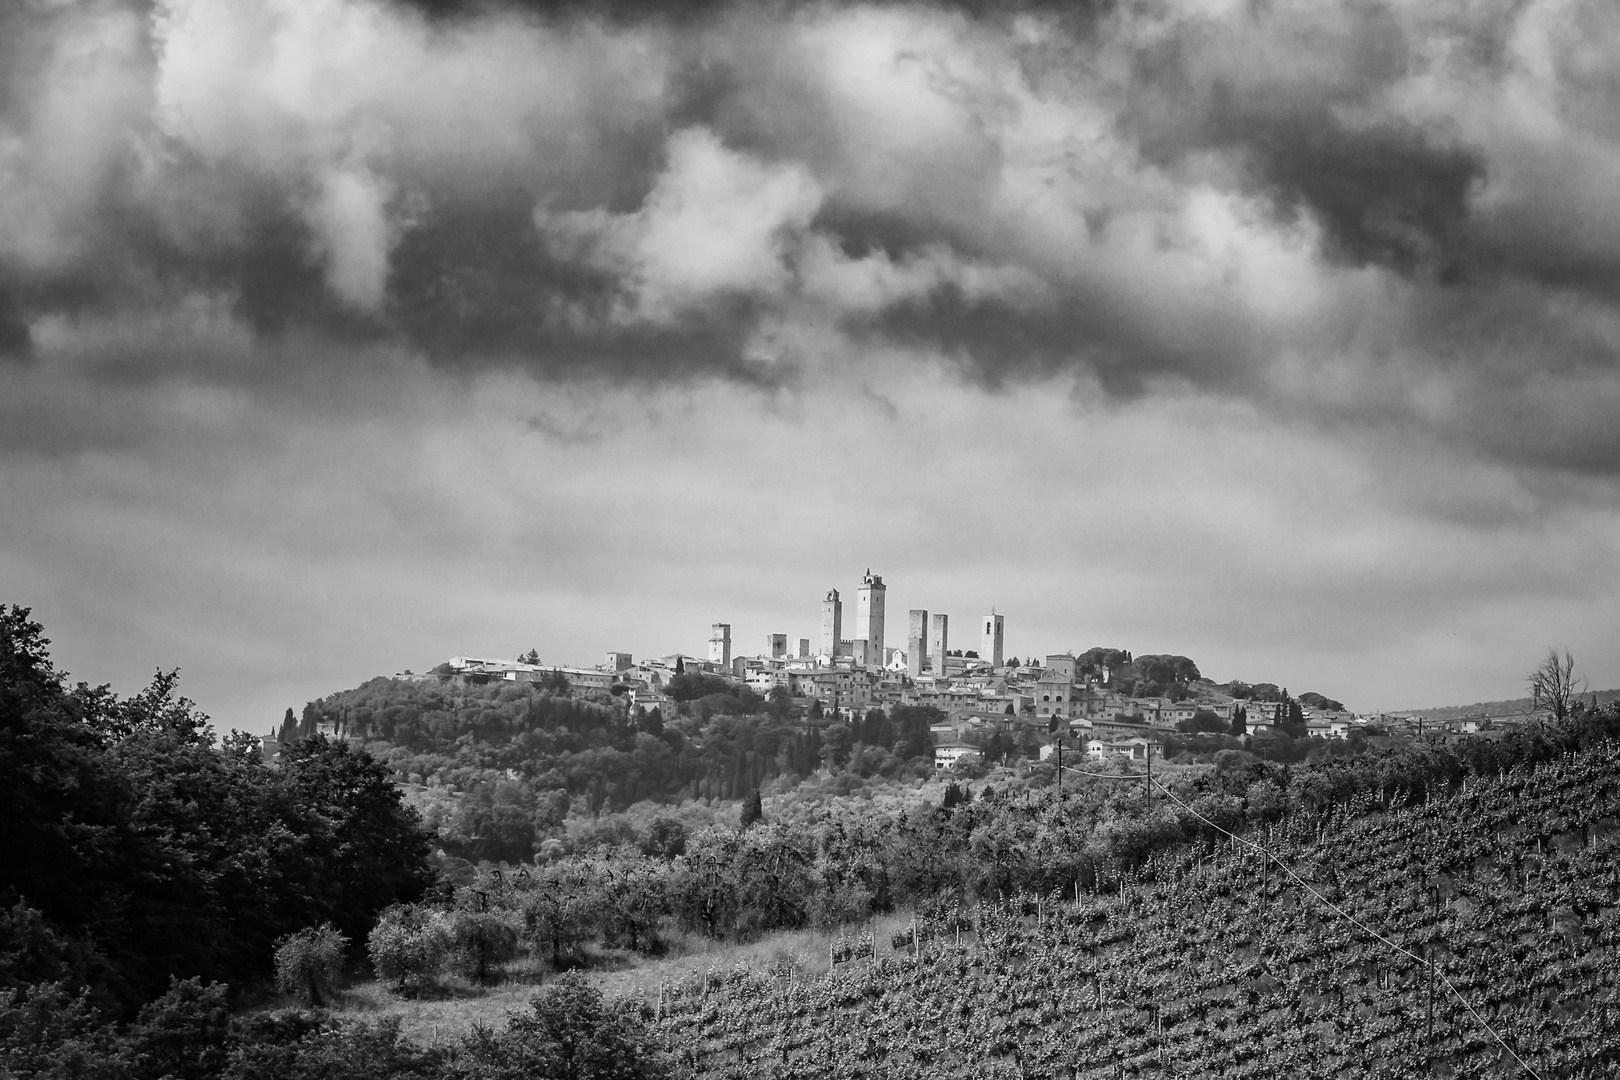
[(948, 754), (1136, 749)]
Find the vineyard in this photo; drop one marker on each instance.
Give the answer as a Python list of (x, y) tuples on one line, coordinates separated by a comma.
[(1498, 909)]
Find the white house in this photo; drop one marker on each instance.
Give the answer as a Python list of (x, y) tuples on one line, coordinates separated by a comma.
[(948, 754)]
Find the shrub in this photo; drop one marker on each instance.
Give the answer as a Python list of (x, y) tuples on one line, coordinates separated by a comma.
[(408, 944), (306, 1046), (50, 1034), (183, 1034), (309, 963), (568, 1031)]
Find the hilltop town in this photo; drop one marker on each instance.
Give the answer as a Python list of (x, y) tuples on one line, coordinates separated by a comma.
[(1102, 702)]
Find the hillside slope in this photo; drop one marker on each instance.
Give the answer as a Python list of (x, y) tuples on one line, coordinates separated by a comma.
[(1226, 965), (1511, 707)]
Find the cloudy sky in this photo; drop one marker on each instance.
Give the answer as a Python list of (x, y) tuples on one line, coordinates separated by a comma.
[(342, 336)]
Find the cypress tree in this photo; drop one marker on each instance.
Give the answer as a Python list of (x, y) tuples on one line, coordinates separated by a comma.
[(753, 810)]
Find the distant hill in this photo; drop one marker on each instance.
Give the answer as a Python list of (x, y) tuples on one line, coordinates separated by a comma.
[(1514, 707)]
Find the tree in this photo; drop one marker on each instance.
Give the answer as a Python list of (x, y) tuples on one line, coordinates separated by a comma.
[(481, 939), (836, 742), (1291, 722), (753, 811), (530, 657), (1240, 720), (289, 728), (183, 1035), (408, 943), (1203, 720), (368, 849), (689, 686), (561, 909), (779, 702), (665, 838), (1553, 684), (309, 962), (569, 1033)]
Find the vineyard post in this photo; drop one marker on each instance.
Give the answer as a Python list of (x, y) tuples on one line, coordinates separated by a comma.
[(1431, 977), (1430, 953)]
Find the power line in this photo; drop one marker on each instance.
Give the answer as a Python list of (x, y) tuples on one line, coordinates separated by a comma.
[(1433, 971)]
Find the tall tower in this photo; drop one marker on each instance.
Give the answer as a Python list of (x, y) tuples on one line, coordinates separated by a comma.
[(869, 601), (720, 644), (832, 623), (776, 646), (939, 639), (916, 641), (991, 650)]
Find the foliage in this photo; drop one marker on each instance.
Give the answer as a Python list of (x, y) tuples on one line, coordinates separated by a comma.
[(408, 944), (482, 940), (181, 1034), (753, 812), (298, 1046), (310, 962), (1204, 720), (696, 684), (568, 1033), (156, 851)]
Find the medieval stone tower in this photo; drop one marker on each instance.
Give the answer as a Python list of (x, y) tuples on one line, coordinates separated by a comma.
[(869, 601), (720, 644), (994, 631), (916, 641), (832, 623)]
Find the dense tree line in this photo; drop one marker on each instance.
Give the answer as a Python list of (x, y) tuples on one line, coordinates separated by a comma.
[(521, 758), (137, 849)]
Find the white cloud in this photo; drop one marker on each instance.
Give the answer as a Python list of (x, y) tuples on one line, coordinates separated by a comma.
[(349, 216), (716, 223)]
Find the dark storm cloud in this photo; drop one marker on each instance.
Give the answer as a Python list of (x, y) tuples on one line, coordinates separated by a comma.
[(659, 192), (15, 341), (1313, 141), (1388, 196)]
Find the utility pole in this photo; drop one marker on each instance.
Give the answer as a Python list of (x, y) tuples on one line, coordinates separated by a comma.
[(1148, 791)]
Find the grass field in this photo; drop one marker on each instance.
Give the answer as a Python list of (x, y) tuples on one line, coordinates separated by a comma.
[(455, 1006)]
